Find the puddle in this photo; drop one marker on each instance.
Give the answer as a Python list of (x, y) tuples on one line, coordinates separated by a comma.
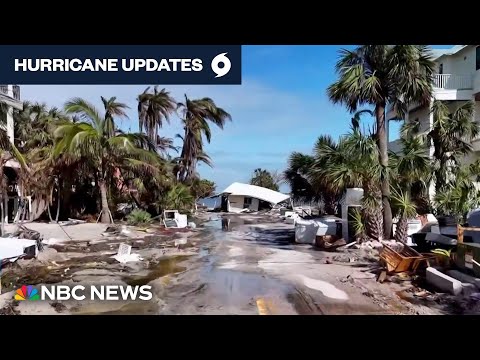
[(324, 287), (163, 267), (132, 308), (235, 287)]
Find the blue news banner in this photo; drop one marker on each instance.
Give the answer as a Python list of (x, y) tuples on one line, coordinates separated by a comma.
[(120, 64)]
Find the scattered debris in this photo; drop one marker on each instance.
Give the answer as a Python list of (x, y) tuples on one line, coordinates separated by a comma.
[(124, 254), (59, 307), (443, 282), (70, 222), (399, 261)]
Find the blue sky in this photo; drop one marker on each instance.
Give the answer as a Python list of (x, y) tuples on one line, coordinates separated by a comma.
[(280, 107)]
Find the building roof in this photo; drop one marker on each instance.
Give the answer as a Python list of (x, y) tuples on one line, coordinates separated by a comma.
[(254, 191), (437, 53)]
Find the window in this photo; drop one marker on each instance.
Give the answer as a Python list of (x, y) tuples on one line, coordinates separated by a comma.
[(247, 201), (440, 69), (477, 62)]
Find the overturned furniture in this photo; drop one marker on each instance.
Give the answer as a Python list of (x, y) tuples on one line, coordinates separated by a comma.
[(403, 260), (173, 219)]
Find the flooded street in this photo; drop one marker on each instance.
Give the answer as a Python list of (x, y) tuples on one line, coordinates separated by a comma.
[(231, 264), (253, 267)]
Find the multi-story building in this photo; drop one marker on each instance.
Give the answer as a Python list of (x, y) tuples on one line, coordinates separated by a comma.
[(457, 80), (10, 95)]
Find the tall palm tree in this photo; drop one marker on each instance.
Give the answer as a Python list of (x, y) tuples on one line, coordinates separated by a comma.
[(411, 174), (97, 140), (329, 193), (196, 116), (379, 75), (450, 135), (153, 108)]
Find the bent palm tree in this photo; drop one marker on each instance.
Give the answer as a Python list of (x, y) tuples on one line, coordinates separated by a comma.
[(196, 115), (106, 149), (379, 75), (153, 108)]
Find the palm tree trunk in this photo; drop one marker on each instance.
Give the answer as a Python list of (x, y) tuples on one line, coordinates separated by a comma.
[(49, 212), (383, 157), (3, 216), (373, 211), (58, 201), (401, 232), (104, 201)]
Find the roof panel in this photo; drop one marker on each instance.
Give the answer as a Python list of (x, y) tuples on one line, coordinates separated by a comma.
[(258, 192)]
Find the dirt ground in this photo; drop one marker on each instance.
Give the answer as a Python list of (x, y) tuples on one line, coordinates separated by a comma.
[(229, 264)]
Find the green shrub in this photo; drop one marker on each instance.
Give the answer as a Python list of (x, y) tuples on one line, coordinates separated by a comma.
[(139, 217)]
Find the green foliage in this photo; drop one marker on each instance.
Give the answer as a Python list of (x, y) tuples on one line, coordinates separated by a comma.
[(202, 188), (358, 223), (178, 197), (139, 217), (402, 202), (443, 252), (266, 179), (459, 197), (82, 150)]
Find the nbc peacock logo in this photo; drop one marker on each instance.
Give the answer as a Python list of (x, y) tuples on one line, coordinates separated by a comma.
[(27, 293)]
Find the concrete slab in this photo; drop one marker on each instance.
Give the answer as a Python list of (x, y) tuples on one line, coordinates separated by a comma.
[(443, 281), (464, 278)]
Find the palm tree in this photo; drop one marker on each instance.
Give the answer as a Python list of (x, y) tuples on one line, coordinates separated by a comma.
[(264, 178), (324, 190), (296, 175), (351, 162), (97, 140), (379, 75), (406, 210), (459, 197), (153, 108), (178, 197), (196, 115)]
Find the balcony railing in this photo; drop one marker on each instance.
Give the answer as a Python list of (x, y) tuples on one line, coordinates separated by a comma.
[(13, 93), (453, 82)]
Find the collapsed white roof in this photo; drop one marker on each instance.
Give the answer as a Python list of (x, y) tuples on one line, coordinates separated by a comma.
[(254, 191)]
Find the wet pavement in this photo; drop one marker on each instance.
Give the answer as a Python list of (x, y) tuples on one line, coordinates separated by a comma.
[(233, 264), (253, 267)]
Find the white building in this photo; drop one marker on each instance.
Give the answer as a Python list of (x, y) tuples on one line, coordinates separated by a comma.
[(238, 197), (457, 80), (10, 95)]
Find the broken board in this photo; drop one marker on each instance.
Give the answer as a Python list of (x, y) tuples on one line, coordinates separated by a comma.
[(124, 250)]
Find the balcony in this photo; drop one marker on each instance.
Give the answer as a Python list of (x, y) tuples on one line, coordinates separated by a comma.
[(13, 92), (453, 82)]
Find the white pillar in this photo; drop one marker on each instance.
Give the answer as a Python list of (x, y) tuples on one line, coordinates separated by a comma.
[(5, 208), (431, 190), (345, 222), (10, 124), (10, 91)]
